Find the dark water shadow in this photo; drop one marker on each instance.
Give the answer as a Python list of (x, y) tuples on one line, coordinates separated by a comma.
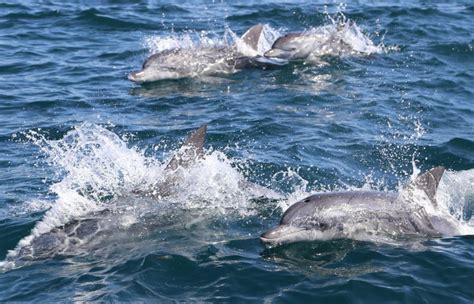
[(188, 87), (345, 258)]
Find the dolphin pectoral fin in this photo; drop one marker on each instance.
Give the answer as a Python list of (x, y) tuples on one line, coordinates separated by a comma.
[(252, 36), (429, 182), (191, 149)]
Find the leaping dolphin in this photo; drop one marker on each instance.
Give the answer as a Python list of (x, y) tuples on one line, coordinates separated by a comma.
[(201, 61), (369, 216)]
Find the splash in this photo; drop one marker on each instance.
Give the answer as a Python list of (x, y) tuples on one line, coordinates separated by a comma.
[(361, 42), (456, 197), (348, 32), (340, 37), (450, 213), (98, 171), (187, 40), (298, 187), (398, 145), (265, 41), (206, 39)]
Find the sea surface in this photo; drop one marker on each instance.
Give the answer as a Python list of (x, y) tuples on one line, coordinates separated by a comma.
[(77, 137)]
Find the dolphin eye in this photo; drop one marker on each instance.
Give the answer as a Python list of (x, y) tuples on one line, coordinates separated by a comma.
[(313, 225), (307, 200)]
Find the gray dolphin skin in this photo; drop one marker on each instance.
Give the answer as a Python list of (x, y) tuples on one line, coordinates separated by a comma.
[(291, 46), (316, 43), (185, 63), (367, 216), (191, 150), (105, 223), (304, 45), (202, 61)]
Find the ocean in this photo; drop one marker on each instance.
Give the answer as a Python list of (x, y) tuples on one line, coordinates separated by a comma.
[(80, 143)]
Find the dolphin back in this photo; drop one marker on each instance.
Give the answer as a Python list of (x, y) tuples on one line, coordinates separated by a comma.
[(156, 58), (311, 205), (283, 40), (429, 182), (191, 149)]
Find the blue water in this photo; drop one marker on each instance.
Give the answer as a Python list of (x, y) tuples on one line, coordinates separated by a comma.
[(77, 135)]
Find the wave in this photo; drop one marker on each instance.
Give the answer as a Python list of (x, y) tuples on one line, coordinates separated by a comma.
[(455, 153), (170, 8), (15, 68), (33, 16), (275, 12), (461, 50), (95, 17)]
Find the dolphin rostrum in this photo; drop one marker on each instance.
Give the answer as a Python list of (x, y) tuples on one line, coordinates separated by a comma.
[(362, 215), (200, 61)]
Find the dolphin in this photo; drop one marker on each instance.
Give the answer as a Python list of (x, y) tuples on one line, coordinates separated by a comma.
[(102, 224), (180, 63), (291, 46), (334, 40), (368, 216), (308, 46)]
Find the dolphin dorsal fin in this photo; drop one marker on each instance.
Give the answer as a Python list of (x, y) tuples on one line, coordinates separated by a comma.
[(252, 36), (191, 149), (429, 182)]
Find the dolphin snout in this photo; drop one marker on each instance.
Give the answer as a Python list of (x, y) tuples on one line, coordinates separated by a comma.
[(280, 233), (135, 76), (277, 53), (269, 235)]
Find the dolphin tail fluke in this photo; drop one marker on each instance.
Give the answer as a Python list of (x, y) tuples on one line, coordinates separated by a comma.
[(429, 182), (252, 36), (191, 149)]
